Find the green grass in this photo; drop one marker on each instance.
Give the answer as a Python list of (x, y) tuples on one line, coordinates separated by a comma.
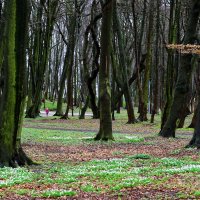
[(96, 176), (197, 193), (49, 104), (71, 137), (53, 105), (10, 176), (57, 193)]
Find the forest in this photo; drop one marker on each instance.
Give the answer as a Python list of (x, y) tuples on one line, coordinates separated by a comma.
[(99, 99)]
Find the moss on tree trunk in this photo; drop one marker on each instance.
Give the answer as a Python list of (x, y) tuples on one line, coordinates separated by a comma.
[(105, 131), (13, 98), (184, 75)]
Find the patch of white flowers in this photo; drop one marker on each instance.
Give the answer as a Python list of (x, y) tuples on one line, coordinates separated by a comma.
[(171, 162), (59, 138), (10, 176), (186, 168), (132, 137)]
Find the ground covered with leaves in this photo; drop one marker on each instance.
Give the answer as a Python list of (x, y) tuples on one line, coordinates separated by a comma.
[(71, 165)]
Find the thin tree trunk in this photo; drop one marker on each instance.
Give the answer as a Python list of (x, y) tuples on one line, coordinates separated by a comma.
[(145, 89), (71, 64), (123, 68), (155, 71)]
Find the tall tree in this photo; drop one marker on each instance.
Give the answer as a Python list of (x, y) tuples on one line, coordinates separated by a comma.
[(40, 52), (105, 131), (71, 62), (123, 68), (171, 64), (13, 97), (184, 74), (155, 82), (144, 103), (89, 79), (68, 61)]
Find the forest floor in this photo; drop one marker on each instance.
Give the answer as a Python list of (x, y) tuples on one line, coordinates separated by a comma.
[(71, 165)]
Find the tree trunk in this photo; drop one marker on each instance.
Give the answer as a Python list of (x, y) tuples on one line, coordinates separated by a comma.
[(84, 108), (89, 79), (145, 89), (105, 131), (194, 120), (197, 83), (138, 47), (59, 111), (41, 54), (13, 98), (71, 64), (123, 68), (184, 75), (170, 75), (156, 64), (195, 141), (2, 23)]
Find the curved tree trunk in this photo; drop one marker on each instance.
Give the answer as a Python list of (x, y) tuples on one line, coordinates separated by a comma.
[(83, 110), (182, 115), (123, 68), (89, 79), (68, 64)]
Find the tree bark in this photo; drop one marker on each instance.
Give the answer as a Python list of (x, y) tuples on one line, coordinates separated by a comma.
[(71, 64), (171, 64), (194, 119), (195, 141), (105, 131), (41, 51), (156, 64), (123, 68), (184, 74), (145, 89), (14, 91)]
